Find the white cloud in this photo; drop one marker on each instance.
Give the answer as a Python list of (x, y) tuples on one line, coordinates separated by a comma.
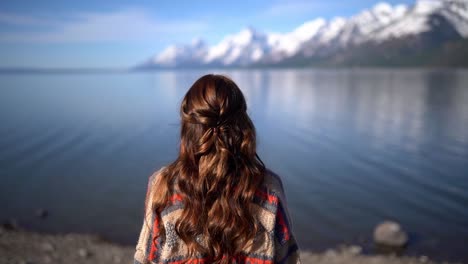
[(131, 24)]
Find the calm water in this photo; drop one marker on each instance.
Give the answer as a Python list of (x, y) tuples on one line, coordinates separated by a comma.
[(354, 147)]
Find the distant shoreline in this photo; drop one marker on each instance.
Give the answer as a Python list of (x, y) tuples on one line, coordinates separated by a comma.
[(33, 70), (60, 70)]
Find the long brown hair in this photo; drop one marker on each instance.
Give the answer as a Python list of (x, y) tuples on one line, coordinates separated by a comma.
[(216, 173)]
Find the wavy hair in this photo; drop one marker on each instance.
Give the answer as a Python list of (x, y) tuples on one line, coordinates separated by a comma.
[(217, 172)]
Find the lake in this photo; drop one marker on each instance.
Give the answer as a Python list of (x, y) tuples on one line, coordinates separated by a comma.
[(354, 147)]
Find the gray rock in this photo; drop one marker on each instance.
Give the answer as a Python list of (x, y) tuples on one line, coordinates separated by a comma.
[(84, 253), (390, 233), (47, 247), (423, 259), (355, 250), (330, 253)]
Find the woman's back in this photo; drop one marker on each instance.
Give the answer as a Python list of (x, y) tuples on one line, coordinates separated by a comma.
[(217, 202), (273, 243)]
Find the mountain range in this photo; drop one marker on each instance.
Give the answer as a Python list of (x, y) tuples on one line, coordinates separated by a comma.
[(428, 33)]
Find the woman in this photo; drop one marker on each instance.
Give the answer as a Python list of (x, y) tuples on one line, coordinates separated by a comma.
[(216, 203)]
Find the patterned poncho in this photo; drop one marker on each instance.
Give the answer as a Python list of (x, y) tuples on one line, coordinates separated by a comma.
[(274, 243)]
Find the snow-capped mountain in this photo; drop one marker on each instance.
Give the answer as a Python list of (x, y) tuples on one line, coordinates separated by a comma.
[(175, 55), (360, 28), (321, 38), (418, 17), (243, 48)]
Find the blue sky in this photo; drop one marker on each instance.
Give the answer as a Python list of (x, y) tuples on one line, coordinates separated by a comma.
[(122, 33)]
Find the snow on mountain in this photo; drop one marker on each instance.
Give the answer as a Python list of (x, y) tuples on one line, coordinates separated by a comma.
[(361, 27), (333, 29), (413, 22), (289, 43), (416, 20), (243, 48), (424, 7), (377, 24), (456, 12), (177, 54)]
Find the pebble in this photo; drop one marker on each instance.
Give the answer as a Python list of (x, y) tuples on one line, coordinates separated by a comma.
[(330, 253), (355, 250), (84, 253), (390, 233), (47, 247)]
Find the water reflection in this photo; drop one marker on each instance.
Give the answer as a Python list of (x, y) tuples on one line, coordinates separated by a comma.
[(406, 108), (388, 144)]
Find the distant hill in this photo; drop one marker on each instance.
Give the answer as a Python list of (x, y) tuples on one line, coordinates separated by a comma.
[(429, 33)]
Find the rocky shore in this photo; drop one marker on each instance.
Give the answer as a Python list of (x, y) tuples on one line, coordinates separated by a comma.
[(24, 247)]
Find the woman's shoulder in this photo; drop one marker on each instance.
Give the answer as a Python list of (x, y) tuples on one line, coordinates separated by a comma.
[(155, 176), (273, 184)]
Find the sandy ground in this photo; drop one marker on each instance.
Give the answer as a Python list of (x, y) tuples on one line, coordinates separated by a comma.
[(21, 247)]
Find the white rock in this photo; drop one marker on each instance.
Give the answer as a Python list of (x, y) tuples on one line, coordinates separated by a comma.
[(355, 250), (390, 233), (82, 252)]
